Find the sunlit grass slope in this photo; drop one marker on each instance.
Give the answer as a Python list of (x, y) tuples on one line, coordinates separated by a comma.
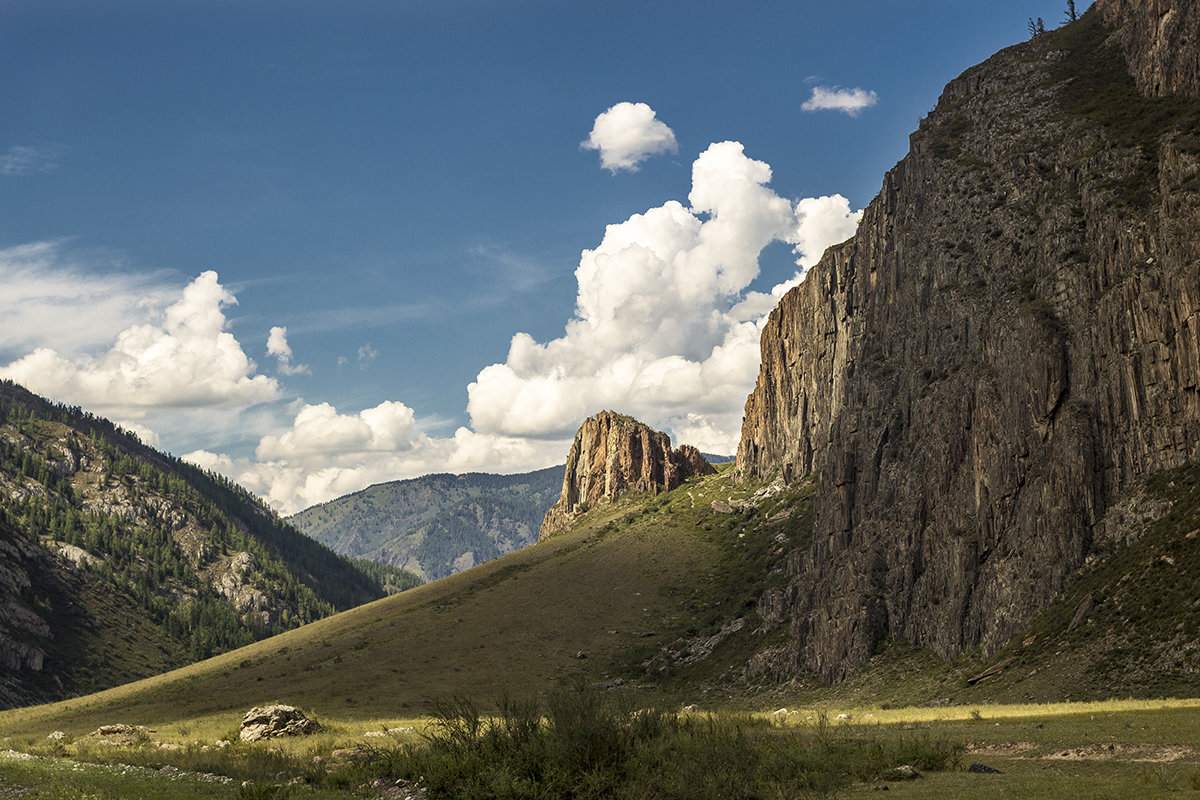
[(634, 573)]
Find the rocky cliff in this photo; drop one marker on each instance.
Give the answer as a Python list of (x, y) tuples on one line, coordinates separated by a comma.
[(613, 454), (1007, 343)]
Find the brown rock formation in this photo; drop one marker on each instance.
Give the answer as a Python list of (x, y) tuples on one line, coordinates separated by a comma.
[(613, 454), (1008, 341)]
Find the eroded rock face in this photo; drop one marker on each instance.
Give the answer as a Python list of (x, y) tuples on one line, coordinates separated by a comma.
[(1009, 339), (613, 454), (1161, 39)]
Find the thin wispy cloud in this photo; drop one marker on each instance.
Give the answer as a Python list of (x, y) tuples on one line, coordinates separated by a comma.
[(73, 299), (357, 318), (27, 159), (835, 98)]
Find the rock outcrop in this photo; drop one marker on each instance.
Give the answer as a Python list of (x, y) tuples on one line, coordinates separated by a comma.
[(273, 721), (613, 454), (1009, 340)]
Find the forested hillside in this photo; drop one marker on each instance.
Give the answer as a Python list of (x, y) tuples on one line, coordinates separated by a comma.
[(117, 561)]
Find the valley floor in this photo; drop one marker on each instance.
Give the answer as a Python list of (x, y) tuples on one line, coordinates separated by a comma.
[(1117, 749)]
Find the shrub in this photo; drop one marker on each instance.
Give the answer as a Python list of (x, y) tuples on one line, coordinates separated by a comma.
[(589, 746)]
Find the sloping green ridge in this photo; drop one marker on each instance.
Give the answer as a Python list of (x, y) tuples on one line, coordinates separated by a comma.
[(631, 577), (618, 599)]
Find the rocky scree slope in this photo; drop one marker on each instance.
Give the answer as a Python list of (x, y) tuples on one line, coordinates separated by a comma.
[(1008, 343), (436, 525), (613, 454), (117, 562)]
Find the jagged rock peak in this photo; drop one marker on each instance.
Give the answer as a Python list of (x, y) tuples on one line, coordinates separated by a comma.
[(613, 454)]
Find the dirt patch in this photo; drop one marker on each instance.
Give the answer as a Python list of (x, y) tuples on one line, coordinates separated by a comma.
[(1001, 748), (1159, 754), (1101, 751)]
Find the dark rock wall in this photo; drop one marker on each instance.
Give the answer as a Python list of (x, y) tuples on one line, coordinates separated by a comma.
[(1009, 339)]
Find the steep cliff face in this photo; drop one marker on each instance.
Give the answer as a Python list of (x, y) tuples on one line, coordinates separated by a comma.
[(1008, 341), (613, 454)]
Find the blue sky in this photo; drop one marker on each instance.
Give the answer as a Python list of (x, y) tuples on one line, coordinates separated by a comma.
[(285, 238)]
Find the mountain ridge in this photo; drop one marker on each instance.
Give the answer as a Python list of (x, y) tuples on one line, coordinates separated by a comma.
[(437, 524)]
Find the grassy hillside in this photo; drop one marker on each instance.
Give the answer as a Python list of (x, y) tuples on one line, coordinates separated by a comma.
[(436, 525), (656, 599), (635, 576)]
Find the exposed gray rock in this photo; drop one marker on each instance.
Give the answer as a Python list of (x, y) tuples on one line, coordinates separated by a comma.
[(269, 722)]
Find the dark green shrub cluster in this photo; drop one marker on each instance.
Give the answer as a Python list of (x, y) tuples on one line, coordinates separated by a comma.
[(581, 744)]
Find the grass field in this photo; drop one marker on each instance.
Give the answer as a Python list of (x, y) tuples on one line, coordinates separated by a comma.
[(1113, 749)]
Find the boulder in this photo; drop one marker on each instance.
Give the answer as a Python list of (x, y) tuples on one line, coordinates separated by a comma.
[(269, 722)]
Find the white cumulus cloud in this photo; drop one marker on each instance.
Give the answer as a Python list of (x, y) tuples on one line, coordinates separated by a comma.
[(664, 327), (834, 98), (185, 360), (627, 134), (326, 454)]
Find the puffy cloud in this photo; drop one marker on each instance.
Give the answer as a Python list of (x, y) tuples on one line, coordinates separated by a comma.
[(664, 327), (627, 134), (850, 101), (277, 346), (188, 360), (319, 433)]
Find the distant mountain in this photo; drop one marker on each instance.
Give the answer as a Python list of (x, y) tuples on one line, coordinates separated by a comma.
[(117, 561), (436, 525)]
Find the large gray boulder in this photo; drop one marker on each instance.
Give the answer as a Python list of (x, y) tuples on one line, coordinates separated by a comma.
[(269, 722)]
